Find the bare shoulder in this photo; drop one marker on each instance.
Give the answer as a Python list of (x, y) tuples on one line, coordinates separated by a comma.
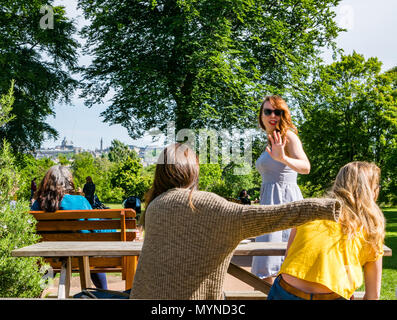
[(293, 137)]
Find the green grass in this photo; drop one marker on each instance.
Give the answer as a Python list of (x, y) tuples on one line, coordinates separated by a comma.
[(389, 274), (114, 205)]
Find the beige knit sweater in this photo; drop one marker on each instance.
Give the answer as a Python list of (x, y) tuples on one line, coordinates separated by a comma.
[(186, 253)]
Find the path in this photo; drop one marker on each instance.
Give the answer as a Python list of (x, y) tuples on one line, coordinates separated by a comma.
[(115, 282)]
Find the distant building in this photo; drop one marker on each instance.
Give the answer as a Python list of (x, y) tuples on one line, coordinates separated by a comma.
[(66, 147), (148, 154)]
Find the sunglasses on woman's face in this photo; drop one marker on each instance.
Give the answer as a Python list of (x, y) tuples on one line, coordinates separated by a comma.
[(277, 112)]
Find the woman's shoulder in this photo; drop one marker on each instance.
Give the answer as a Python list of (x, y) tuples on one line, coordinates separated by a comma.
[(75, 202), (35, 206), (291, 135), (198, 197), (182, 192)]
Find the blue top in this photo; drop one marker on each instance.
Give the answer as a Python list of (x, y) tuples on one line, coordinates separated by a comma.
[(69, 202), (73, 202)]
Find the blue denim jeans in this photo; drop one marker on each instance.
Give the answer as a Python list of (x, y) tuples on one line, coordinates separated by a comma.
[(278, 293), (99, 280)]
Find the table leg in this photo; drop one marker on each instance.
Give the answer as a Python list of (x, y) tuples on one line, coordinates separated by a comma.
[(84, 270), (65, 277), (130, 268), (248, 278)]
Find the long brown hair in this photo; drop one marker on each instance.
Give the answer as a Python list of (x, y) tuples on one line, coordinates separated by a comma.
[(57, 182), (355, 185), (177, 167), (285, 122)]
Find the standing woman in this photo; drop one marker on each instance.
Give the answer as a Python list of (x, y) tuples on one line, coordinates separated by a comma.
[(279, 166), (89, 190)]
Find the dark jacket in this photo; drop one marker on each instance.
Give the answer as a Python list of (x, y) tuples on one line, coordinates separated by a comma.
[(89, 191)]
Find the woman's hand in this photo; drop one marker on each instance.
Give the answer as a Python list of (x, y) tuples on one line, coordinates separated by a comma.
[(290, 154), (277, 151)]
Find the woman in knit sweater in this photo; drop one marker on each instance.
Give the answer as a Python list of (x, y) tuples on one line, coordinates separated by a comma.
[(190, 235)]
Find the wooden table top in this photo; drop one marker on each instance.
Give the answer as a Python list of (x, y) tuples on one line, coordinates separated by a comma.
[(133, 248)]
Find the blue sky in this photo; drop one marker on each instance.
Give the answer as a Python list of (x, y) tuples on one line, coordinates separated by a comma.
[(371, 25)]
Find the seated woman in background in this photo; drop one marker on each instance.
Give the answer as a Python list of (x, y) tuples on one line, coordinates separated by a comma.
[(52, 195), (324, 260), (244, 197), (190, 235)]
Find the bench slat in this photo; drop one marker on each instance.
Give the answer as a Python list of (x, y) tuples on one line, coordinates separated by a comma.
[(109, 236), (82, 214), (55, 225), (94, 261)]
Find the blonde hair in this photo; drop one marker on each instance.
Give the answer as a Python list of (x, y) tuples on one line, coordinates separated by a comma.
[(285, 122), (355, 185)]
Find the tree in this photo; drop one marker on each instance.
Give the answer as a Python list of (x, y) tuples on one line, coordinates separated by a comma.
[(6, 102), (103, 181), (119, 152), (39, 59), (84, 165), (210, 176), (349, 113), (29, 168), (128, 176), (202, 64)]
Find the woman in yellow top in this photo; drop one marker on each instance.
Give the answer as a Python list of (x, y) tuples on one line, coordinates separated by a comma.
[(324, 259)]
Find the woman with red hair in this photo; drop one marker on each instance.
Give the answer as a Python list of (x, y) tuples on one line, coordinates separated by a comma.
[(279, 166)]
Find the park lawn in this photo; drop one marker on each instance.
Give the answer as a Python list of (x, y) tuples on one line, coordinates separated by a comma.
[(114, 205), (389, 274)]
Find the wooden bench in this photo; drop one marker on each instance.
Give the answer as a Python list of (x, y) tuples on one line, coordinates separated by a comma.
[(68, 225)]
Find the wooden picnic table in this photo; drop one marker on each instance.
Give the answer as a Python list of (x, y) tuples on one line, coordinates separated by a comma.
[(65, 250)]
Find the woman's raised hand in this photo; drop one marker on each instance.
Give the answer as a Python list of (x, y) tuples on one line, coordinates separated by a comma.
[(277, 145)]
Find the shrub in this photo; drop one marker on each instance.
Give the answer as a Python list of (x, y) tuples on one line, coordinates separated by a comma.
[(19, 277)]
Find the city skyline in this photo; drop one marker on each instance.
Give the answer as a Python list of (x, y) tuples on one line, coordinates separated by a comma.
[(370, 32)]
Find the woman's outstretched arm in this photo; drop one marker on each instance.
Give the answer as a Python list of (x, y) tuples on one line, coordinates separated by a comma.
[(257, 220)]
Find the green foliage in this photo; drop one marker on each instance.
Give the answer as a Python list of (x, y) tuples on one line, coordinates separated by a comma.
[(39, 61), (210, 176), (112, 184), (349, 113), (63, 160), (6, 102), (29, 168), (228, 181), (19, 277), (238, 177), (202, 64), (83, 165), (119, 152), (128, 176)]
